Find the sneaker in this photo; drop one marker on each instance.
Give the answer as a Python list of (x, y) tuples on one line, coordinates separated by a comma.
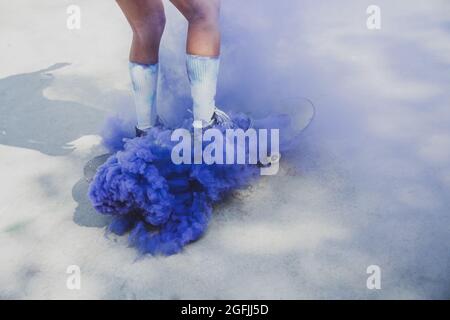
[(219, 117), (222, 119), (141, 133)]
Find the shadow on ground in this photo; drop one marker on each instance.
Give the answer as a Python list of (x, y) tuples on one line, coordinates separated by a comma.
[(30, 120), (85, 215)]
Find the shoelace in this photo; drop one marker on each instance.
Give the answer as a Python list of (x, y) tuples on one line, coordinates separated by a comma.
[(222, 118)]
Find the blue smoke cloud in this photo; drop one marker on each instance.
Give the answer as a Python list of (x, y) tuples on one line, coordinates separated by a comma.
[(165, 206)]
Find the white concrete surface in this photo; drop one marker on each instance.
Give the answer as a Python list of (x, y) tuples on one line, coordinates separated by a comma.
[(368, 185)]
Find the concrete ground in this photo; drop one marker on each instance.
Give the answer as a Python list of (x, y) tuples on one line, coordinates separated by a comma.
[(368, 183)]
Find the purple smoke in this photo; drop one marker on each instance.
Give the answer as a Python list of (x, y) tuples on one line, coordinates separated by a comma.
[(163, 205)]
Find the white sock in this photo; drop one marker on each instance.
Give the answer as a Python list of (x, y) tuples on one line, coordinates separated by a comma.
[(145, 82), (203, 73)]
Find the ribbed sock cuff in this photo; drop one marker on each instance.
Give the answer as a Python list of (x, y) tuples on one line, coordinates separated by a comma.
[(143, 74), (202, 68)]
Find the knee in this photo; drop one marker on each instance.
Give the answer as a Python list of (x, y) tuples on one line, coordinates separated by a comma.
[(205, 14), (150, 29)]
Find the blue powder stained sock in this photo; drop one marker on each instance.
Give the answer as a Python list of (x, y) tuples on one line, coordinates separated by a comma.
[(203, 73), (145, 83)]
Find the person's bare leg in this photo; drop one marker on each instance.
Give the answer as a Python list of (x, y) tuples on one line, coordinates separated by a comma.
[(147, 20), (203, 51), (203, 16)]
